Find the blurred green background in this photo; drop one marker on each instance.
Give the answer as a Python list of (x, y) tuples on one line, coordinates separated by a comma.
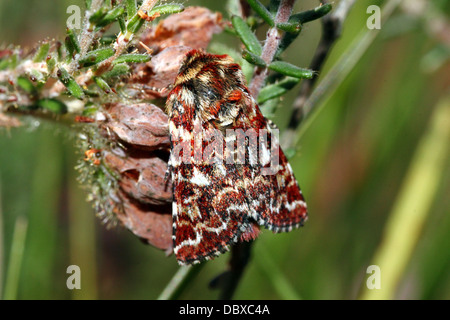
[(373, 164)]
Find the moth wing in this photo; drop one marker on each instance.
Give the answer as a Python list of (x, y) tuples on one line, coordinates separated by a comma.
[(274, 196), (208, 216), (277, 198), (209, 206), (218, 204)]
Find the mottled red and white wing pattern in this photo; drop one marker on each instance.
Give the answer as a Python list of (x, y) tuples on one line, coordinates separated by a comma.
[(217, 203)]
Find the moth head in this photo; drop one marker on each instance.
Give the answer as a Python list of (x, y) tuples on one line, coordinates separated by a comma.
[(195, 61), (213, 85)]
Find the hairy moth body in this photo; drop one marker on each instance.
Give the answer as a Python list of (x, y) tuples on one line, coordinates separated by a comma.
[(228, 171)]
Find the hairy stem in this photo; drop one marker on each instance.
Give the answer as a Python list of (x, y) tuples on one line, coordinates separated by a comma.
[(86, 36), (270, 47)]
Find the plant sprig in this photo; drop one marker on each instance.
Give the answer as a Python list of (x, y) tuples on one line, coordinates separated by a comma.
[(88, 59), (285, 27)]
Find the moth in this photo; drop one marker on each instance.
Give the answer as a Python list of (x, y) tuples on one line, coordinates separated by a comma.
[(229, 174)]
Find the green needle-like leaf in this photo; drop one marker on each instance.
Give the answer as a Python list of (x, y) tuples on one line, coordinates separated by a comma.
[(166, 9), (122, 24), (273, 6), (291, 70), (131, 8), (69, 82), (98, 15), (247, 36), (110, 16), (117, 71), (310, 15), (253, 59), (52, 105), (102, 84), (51, 63), (25, 84), (276, 90), (36, 76), (96, 56), (42, 52), (291, 27), (132, 58), (88, 4), (108, 39), (71, 43), (135, 23), (262, 11)]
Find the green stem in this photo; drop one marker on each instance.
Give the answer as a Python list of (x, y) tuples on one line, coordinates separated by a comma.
[(83, 249), (2, 235), (15, 259), (409, 214), (273, 273), (180, 281)]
